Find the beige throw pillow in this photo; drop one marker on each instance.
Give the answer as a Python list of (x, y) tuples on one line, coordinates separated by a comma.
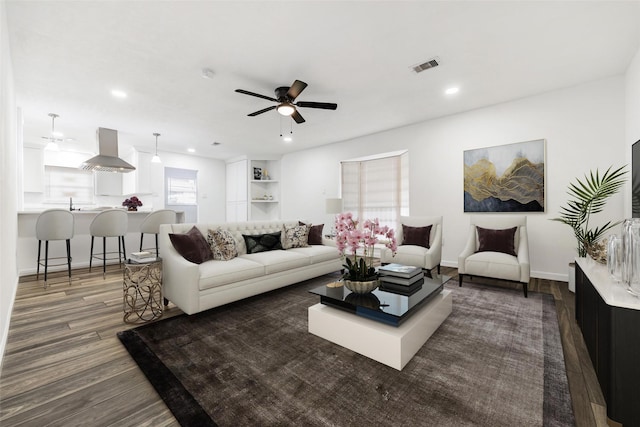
[(223, 245), (295, 237)]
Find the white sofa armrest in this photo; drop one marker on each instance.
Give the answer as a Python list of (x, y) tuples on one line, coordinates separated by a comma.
[(523, 256), (180, 278), (469, 249)]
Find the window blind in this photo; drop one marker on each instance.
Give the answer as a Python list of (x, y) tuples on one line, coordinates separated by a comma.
[(62, 183), (377, 188)]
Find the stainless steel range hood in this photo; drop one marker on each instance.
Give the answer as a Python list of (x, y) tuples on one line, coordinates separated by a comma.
[(107, 160)]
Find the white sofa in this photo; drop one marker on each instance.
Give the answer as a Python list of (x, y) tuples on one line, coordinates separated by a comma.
[(198, 287)]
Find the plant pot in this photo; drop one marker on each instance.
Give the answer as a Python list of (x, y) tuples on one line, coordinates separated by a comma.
[(358, 287), (132, 209)]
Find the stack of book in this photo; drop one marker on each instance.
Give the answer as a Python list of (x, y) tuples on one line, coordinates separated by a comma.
[(401, 279), (142, 257)]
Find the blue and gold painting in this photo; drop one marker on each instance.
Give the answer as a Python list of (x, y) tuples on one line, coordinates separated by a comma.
[(505, 178)]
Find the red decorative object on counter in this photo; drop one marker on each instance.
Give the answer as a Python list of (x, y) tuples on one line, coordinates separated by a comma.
[(132, 203)]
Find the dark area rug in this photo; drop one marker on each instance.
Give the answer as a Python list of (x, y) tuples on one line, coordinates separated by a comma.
[(496, 361)]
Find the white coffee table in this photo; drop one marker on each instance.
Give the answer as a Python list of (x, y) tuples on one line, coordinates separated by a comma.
[(392, 345)]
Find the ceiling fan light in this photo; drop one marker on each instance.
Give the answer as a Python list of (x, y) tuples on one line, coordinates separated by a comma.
[(52, 146), (286, 109), (156, 158)]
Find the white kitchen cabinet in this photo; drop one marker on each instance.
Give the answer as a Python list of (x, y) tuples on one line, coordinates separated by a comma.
[(33, 178), (138, 181), (143, 173), (236, 190)]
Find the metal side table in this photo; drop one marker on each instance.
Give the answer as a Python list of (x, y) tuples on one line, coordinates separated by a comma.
[(142, 291)]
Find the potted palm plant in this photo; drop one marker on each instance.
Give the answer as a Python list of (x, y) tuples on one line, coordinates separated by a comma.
[(588, 197)]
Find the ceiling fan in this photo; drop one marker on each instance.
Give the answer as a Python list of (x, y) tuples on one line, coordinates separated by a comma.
[(285, 97), (54, 137)]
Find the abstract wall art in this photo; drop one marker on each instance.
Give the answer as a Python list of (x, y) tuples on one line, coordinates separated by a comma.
[(505, 178)]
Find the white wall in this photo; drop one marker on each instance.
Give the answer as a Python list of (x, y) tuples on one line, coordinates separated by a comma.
[(211, 184), (584, 127), (8, 183)]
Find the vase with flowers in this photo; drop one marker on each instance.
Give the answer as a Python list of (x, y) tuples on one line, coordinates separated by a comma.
[(360, 275), (132, 203)]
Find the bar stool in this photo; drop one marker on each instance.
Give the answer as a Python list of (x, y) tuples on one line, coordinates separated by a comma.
[(54, 224), (151, 224), (109, 223)]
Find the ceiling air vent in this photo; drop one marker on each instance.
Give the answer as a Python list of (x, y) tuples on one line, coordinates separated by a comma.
[(426, 65)]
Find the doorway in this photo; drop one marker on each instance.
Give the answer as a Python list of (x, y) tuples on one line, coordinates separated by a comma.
[(181, 192)]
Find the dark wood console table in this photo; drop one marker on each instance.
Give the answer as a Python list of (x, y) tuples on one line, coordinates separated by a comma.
[(609, 318)]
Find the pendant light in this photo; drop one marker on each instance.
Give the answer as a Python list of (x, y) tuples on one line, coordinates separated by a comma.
[(53, 139), (156, 158)]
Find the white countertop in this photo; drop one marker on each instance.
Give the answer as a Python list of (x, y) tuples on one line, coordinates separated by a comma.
[(614, 294)]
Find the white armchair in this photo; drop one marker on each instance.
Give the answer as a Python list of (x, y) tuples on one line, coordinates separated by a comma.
[(419, 256), (491, 260)]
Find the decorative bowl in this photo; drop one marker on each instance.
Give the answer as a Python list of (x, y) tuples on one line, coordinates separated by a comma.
[(361, 287)]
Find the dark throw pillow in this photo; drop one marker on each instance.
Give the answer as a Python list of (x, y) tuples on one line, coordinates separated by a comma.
[(418, 236), (497, 240), (262, 242), (192, 246), (315, 234)]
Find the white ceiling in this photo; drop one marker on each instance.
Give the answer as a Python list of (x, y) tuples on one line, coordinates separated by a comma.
[(68, 55)]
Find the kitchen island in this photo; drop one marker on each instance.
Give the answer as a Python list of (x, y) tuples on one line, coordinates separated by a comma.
[(27, 250)]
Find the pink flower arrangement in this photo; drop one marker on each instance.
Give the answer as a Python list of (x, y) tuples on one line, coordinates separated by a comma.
[(350, 238), (132, 202)]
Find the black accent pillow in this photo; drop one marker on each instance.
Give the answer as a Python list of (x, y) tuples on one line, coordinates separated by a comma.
[(192, 246), (262, 242), (490, 240), (315, 234), (418, 236)]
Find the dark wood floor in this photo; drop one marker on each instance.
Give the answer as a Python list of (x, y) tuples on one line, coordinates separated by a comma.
[(64, 365)]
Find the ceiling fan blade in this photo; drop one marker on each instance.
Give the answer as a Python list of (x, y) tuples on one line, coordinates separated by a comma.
[(297, 117), (323, 105), (296, 88), (262, 111), (246, 92)]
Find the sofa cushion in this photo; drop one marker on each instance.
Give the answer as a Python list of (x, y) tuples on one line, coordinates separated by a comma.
[(417, 236), (490, 240), (318, 253), (493, 264), (192, 246), (262, 242), (410, 255), (295, 236), (223, 245), (218, 273), (276, 261)]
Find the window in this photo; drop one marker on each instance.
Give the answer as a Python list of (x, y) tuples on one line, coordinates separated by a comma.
[(377, 187), (62, 183), (181, 191)]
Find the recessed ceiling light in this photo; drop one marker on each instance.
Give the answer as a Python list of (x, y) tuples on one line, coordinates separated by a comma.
[(191, 150), (207, 73), (119, 93), (452, 90)]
